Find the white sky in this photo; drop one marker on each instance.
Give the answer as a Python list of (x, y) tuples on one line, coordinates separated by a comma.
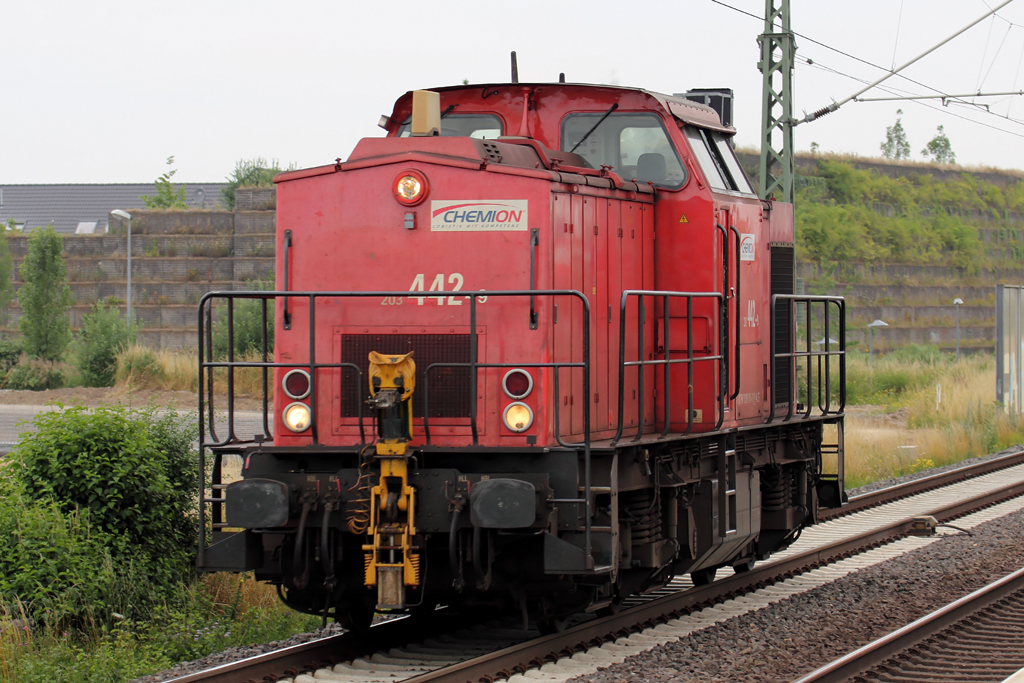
[(105, 91)]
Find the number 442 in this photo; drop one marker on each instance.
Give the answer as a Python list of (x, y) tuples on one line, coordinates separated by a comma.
[(437, 285)]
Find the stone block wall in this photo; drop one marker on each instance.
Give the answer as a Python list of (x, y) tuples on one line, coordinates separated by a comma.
[(177, 256)]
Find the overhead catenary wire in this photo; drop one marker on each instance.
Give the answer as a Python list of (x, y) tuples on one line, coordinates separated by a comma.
[(836, 105), (818, 65), (831, 48), (860, 59)]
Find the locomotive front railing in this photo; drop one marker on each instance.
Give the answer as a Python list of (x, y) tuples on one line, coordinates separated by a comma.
[(823, 356), (667, 362), (208, 365)]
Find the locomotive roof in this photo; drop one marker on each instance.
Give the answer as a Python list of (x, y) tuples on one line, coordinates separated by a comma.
[(685, 110)]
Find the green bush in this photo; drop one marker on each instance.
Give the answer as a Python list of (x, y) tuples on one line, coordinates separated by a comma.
[(131, 471), (103, 335), (53, 562), (249, 173), (34, 375), (248, 324), (10, 353)]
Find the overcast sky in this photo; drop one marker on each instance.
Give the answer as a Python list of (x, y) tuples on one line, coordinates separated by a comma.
[(106, 91)]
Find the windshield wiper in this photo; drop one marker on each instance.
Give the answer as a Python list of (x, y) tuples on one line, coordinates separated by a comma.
[(606, 115)]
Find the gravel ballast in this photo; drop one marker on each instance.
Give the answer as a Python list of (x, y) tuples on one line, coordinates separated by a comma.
[(799, 634)]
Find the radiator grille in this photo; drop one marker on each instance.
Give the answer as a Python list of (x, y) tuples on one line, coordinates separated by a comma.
[(782, 283), (450, 388)]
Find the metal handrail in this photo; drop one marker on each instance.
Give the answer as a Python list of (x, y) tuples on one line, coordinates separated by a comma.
[(207, 365), (667, 362), (824, 399)]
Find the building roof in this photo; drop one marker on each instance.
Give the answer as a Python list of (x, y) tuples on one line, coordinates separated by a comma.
[(66, 206)]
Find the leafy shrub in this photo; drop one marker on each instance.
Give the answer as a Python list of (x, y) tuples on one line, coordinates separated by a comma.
[(131, 471), (34, 375), (249, 173), (103, 335), (52, 561), (10, 353), (248, 324), (45, 296)]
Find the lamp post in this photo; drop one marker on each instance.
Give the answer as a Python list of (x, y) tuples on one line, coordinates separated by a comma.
[(871, 331), (958, 302), (128, 217)]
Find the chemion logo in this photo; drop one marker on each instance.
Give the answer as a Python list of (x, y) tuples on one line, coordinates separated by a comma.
[(478, 216)]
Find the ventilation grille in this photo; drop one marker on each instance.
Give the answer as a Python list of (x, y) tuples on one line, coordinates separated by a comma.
[(492, 152), (450, 389), (782, 283)]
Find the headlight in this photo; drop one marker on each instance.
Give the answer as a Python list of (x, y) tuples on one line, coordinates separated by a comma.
[(410, 188), (296, 384), (517, 416), (297, 417), (517, 384)]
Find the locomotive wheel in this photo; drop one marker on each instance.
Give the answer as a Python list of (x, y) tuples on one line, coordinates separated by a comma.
[(703, 577)]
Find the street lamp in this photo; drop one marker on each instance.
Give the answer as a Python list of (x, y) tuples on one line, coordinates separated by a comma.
[(958, 302), (128, 217), (871, 331)]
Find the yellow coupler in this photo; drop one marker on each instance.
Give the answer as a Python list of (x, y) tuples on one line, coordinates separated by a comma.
[(392, 563)]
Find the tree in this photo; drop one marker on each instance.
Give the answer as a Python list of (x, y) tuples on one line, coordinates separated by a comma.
[(167, 196), (6, 270), (939, 149), (45, 297), (250, 173), (896, 145)]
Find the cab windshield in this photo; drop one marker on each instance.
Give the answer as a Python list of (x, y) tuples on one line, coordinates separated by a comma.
[(636, 146)]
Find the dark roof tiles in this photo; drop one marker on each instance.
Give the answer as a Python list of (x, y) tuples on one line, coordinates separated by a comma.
[(65, 206)]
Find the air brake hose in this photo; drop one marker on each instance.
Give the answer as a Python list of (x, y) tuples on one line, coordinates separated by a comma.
[(325, 547), (453, 545), (300, 538)]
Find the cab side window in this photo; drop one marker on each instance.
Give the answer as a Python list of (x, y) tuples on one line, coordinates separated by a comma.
[(717, 160), (635, 146)]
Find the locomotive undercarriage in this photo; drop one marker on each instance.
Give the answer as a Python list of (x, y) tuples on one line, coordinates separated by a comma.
[(658, 509)]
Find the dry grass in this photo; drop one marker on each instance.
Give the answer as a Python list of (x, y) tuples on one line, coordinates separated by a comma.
[(140, 367), (15, 640), (239, 592)]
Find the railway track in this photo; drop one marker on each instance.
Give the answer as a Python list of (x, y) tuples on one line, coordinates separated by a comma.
[(465, 649), (976, 638)]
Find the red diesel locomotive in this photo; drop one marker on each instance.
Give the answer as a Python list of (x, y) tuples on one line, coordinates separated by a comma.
[(536, 349)]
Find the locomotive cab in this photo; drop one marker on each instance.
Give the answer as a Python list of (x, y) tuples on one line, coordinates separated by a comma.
[(536, 349)]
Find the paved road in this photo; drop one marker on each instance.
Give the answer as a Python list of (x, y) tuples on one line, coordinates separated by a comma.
[(16, 419)]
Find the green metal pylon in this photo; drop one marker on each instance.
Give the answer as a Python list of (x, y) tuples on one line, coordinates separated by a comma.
[(778, 51)]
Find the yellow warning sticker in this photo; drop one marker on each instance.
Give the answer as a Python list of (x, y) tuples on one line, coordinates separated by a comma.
[(682, 219)]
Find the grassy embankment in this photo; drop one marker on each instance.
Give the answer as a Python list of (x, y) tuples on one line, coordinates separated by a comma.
[(920, 409)]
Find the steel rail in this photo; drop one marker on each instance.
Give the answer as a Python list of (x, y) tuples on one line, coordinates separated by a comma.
[(535, 653), (326, 651), (880, 650)]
